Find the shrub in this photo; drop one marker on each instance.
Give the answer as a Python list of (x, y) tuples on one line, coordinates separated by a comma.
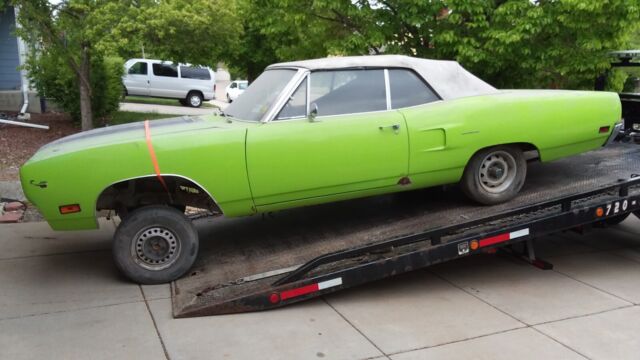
[(55, 80)]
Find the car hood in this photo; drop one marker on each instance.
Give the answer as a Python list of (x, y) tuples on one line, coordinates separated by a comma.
[(125, 133)]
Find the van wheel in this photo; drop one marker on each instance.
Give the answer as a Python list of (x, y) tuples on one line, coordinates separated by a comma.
[(155, 244), (494, 175), (194, 99)]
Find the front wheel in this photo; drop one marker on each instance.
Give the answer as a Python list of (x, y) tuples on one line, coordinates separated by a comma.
[(494, 175), (155, 244)]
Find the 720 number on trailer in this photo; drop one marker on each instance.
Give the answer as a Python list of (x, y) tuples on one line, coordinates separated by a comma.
[(617, 206)]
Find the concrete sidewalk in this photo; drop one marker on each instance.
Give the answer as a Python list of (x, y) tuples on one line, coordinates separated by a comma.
[(62, 298), (166, 109)]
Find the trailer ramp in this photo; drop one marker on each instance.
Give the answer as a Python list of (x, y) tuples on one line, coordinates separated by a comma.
[(249, 264)]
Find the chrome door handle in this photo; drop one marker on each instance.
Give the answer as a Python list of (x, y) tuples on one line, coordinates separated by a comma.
[(395, 127)]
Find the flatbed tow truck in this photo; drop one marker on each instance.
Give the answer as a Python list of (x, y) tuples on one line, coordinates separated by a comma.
[(269, 261)]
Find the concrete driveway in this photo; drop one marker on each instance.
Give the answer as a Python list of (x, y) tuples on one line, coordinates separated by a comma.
[(173, 110), (62, 298)]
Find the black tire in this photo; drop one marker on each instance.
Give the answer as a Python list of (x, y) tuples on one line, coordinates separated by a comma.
[(494, 175), (194, 99), (615, 220), (155, 244)]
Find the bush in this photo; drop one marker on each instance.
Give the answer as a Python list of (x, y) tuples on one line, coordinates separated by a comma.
[(54, 79)]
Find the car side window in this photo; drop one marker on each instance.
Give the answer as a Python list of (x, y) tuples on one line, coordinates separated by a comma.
[(233, 85), (408, 90), (139, 68), (166, 70), (198, 73), (296, 107), (348, 91)]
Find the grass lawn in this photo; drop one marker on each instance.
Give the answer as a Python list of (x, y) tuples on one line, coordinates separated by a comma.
[(123, 117), (160, 101)]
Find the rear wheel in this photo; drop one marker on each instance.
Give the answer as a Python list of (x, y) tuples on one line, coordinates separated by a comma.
[(194, 99), (495, 175), (155, 244)]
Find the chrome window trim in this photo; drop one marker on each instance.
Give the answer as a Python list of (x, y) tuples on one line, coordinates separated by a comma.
[(285, 95), (387, 88), (297, 79), (308, 93)]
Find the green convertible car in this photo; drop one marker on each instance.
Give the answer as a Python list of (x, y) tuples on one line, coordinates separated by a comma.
[(304, 133)]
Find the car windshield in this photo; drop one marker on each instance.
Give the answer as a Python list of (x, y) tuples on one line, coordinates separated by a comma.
[(260, 96)]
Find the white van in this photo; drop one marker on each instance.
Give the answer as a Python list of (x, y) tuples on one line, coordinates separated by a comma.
[(189, 84)]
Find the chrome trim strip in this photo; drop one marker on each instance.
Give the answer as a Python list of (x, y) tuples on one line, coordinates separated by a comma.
[(285, 95), (387, 88), (308, 94), (617, 129)]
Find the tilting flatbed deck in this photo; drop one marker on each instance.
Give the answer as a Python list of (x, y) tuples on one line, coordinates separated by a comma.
[(261, 262)]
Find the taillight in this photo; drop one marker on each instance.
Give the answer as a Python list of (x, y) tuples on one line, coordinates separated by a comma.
[(605, 129)]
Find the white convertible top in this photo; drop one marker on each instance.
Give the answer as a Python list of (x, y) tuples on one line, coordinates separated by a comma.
[(448, 78)]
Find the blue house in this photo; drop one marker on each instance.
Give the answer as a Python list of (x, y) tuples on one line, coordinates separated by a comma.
[(9, 56), (11, 80)]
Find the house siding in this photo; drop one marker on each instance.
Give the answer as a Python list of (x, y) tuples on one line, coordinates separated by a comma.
[(9, 58)]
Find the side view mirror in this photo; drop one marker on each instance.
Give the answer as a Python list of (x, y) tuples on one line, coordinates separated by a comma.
[(313, 112)]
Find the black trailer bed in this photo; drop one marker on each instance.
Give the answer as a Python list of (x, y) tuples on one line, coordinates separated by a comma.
[(233, 251)]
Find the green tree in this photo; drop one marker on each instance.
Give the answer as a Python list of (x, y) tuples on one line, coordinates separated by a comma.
[(80, 36), (510, 43)]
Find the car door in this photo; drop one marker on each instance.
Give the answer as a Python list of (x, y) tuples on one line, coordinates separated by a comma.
[(137, 79), (354, 144)]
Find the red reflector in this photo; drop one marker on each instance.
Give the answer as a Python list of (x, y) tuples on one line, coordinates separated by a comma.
[(494, 240), (604, 129), (274, 298), (69, 209), (299, 291)]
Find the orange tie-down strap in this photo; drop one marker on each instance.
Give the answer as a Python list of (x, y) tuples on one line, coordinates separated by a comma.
[(152, 153)]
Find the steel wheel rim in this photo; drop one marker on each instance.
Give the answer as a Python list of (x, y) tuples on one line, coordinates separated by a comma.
[(155, 248), (194, 100), (497, 172)]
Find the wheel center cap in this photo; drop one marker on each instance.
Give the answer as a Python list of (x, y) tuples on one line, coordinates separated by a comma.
[(496, 172)]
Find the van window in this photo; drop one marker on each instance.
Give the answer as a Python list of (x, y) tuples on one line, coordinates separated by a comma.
[(139, 68), (188, 72), (167, 70)]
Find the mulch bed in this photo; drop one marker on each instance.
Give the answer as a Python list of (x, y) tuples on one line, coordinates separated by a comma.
[(17, 143)]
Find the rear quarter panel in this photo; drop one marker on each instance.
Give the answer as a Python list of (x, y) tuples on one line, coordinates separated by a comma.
[(444, 135)]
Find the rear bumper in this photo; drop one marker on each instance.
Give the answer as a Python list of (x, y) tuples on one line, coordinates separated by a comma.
[(209, 95)]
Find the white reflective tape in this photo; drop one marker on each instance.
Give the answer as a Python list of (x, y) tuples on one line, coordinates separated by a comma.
[(329, 283), (519, 233)]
